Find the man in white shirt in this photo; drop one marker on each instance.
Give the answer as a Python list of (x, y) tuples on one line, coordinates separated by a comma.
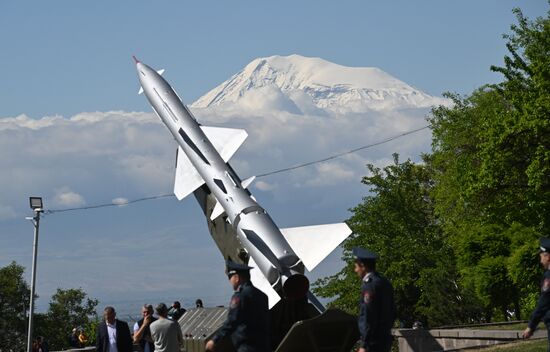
[(165, 332), (113, 335)]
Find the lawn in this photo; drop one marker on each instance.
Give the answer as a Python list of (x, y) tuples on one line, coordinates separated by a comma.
[(522, 346)]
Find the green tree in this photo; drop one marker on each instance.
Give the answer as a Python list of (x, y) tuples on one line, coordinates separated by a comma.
[(68, 309), (397, 221), (491, 156), (14, 297)]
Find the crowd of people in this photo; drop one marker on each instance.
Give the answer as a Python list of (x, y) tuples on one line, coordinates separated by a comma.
[(159, 333), (247, 322), (39, 344)]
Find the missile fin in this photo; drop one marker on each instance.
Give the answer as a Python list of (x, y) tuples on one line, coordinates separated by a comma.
[(218, 210), (160, 72), (225, 140), (259, 281), (187, 177), (247, 182), (140, 90), (314, 243)]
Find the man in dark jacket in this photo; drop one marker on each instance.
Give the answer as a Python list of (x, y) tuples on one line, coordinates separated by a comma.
[(542, 310), (376, 307), (142, 332), (113, 335), (248, 317)]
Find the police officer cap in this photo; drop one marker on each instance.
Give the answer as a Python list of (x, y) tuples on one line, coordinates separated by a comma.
[(545, 244), (365, 254), (235, 268)]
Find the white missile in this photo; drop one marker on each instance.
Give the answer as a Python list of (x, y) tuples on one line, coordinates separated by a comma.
[(277, 255)]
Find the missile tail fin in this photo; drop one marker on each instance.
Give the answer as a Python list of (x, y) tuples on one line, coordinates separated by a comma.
[(225, 140), (248, 182), (312, 244), (140, 90), (260, 282), (218, 210), (187, 177)]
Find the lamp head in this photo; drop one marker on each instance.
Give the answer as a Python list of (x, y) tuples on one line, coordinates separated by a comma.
[(36, 203)]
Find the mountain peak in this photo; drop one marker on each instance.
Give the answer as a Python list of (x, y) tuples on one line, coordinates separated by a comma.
[(329, 85)]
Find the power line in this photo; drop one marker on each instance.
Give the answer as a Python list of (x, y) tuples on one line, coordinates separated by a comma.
[(341, 154), (53, 211), (291, 168)]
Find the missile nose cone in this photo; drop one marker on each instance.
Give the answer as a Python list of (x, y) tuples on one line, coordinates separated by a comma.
[(135, 59)]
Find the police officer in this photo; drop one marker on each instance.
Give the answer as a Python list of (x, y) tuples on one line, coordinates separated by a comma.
[(247, 320), (542, 311), (376, 307)]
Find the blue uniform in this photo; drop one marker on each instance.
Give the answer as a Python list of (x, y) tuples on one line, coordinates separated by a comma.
[(376, 313), (247, 320), (542, 311)]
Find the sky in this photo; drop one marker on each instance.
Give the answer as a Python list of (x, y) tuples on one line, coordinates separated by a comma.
[(74, 130)]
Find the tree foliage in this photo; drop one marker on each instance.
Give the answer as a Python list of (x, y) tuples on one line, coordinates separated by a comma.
[(68, 309), (458, 235), (397, 221), (491, 156), (14, 298)]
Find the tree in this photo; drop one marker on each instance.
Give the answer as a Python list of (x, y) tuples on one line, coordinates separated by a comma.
[(491, 156), (397, 221), (68, 309), (14, 296)]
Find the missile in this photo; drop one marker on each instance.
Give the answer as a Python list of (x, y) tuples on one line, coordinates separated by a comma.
[(242, 229)]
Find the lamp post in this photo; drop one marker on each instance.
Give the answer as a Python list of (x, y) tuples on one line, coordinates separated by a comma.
[(37, 208)]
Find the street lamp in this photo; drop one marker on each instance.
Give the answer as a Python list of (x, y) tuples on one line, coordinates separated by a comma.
[(37, 208)]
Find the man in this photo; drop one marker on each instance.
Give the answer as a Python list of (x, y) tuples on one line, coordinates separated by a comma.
[(176, 311), (113, 335), (248, 318), (198, 303), (165, 332), (42, 344), (142, 332), (377, 307), (542, 310), (73, 339)]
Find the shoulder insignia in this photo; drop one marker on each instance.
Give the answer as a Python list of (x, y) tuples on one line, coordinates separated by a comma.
[(234, 302), (546, 285), (368, 296)]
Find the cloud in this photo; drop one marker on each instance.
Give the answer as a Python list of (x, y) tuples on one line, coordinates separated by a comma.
[(114, 157), (265, 186), (64, 197), (333, 173), (120, 201)]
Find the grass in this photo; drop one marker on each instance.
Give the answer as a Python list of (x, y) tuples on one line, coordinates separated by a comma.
[(522, 346)]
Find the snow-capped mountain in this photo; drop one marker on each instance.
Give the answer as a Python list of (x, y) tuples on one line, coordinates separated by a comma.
[(305, 83)]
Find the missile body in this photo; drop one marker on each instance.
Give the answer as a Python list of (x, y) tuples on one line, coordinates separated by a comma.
[(255, 229)]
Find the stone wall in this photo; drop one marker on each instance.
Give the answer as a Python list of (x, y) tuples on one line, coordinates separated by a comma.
[(420, 340)]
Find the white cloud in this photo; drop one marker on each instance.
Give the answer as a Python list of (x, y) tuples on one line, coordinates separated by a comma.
[(64, 197), (131, 154), (265, 186), (120, 201), (114, 157), (332, 173)]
